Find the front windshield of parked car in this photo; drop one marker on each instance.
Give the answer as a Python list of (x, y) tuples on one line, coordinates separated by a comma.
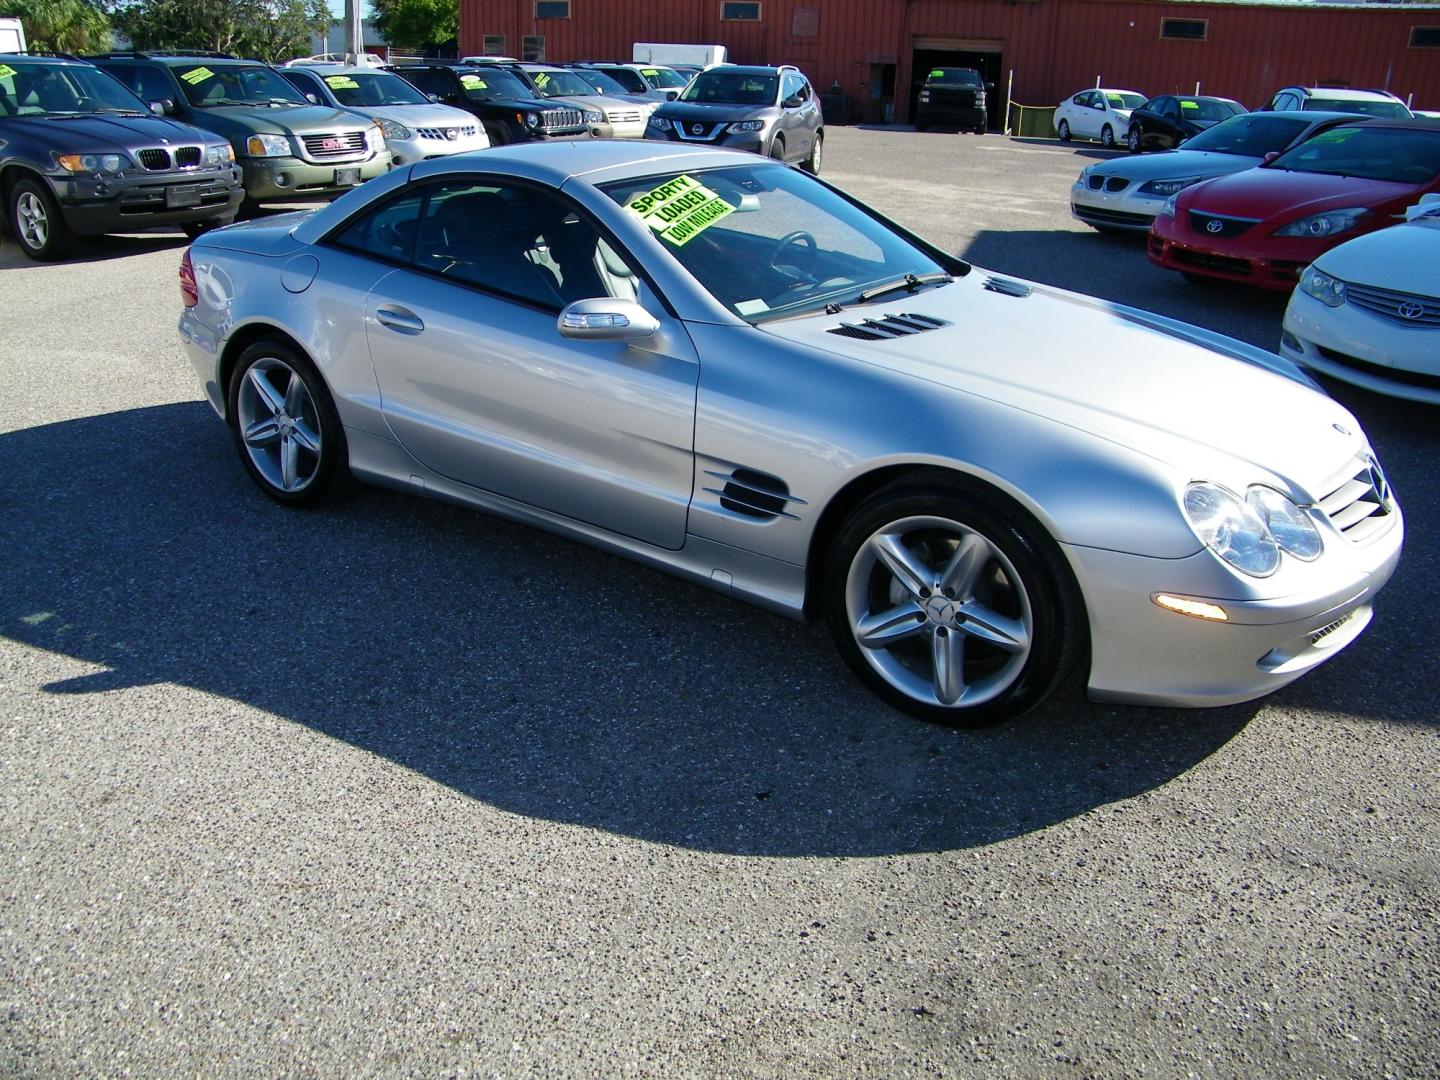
[(1119, 99), (1250, 135), (954, 77), (234, 84), (28, 89), (729, 88), (554, 84), (767, 241), (663, 78), (493, 83), (1208, 109), (367, 89), (1389, 110), (1372, 153), (601, 83)]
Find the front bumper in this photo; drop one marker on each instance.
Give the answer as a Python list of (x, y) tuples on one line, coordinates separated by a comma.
[(1365, 350), (421, 148), (138, 200), (1144, 654), (281, 179), (752, 142), (1126, 208), (1262, 259), (967, 117)]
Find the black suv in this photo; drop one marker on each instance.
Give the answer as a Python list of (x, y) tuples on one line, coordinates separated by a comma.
[(952, 97), (498, 98), (81, 155)]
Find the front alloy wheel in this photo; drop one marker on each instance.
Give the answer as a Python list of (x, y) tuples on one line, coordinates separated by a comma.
[(37, 222), (1132, 140), (1107, 137)]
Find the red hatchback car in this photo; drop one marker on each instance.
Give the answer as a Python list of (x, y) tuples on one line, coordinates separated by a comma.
[(1263, 226)]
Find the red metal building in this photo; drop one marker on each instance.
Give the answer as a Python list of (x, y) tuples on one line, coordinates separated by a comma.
[(875, 49)]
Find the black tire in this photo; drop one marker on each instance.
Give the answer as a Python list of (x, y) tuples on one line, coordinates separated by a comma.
[(497, 134), (194, 229), (1132, 140), (777, 148), (1063, 131), (813, 162), (1017, 550), (1107, 137), (35, 219), (247, 209), (328, 472)]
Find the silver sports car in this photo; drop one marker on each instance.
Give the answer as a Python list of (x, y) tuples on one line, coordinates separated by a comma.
[(724, 367)]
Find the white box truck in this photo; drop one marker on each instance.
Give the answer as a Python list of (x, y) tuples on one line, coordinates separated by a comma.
[(649, 52), (12, 36)]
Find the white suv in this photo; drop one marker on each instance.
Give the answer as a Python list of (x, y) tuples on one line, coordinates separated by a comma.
[(1338, 99)]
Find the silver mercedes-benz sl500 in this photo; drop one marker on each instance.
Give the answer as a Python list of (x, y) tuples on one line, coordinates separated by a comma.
[(729, 369)]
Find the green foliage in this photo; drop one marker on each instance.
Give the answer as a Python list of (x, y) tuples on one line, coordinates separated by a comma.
[(61, 25), (416, 24), (271, 30)]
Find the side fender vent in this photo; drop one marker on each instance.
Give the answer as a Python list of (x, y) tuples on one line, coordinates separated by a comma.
[(887, 326), (754, 494), (1006, 287)]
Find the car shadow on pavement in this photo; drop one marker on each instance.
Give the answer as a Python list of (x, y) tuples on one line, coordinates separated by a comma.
[(524, 670), (92, 249)]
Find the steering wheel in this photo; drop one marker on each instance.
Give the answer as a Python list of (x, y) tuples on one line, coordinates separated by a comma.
[(794, 272)]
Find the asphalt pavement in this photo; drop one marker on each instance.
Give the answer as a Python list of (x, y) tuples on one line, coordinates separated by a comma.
[(392, 788)]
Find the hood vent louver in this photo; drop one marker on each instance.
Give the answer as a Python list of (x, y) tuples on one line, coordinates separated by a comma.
[(1006, 287), (887, 326), (754, 494)]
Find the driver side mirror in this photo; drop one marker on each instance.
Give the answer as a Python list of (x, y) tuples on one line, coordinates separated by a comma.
[(606, 318), (1271, 156), (671, 95), (312, 98), (164, 107), (794, 101)]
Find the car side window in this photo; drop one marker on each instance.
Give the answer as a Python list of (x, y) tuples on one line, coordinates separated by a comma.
[(790, 88), (303, 81), (427, 82), (388, 232)]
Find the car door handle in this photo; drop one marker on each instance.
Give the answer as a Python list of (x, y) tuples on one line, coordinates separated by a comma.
[(399, 320)]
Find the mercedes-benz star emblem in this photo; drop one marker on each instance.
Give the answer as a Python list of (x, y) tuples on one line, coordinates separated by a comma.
[(696, 129), (1411, 310), (1214, 226)]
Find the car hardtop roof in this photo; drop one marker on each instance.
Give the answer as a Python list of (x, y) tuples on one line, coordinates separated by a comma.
[(752, 69), (323, 70), (1343, 92), (1402, 123), (45, 58), (1198, 97), (179, 57)]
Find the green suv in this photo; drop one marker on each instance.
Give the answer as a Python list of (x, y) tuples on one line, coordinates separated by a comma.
[(287, 148)]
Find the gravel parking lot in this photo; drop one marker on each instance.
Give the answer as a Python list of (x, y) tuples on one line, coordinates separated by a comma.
[(394, 788)]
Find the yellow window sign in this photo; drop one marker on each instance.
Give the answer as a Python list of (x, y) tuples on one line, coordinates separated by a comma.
[(197, 75), (680, 209), (937, 74), (6, 71), (542, 80), (650, 73), (1190, 105), (1335, 135), (472, 82), (341, 82)]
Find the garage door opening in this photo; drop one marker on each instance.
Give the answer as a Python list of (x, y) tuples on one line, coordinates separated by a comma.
[(984, 57)]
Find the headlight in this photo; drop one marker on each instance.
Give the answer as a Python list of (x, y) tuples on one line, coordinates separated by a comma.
[(1328, 290), (1231, 529), (1326, 224), (1290, 526), (92, 163), (532, 119), (267, 146), (658, 122), (1168, 210), (375, 136), (391, 130), (219, 155), (924, 95), (594, 116), (1084, 173), (1168, 187), (748, 125)]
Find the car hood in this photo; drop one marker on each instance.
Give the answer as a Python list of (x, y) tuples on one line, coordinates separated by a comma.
[(583, 101), (1172, 164), (1279, 193), (310, 120), (99, 133), (711, 113), (1132, 378), (1405, 258), (431, 115)]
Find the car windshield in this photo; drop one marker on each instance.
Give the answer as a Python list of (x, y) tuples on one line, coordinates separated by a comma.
[(769, 242), (1250, 135), (493, 83), (731, 88), (556, 83), (954, 77), (366, 89), (29, 89), (235, 84), (1123, 99), (1389, 110), (664, 78), (600, 83), (1399, 155), (1208, 108)]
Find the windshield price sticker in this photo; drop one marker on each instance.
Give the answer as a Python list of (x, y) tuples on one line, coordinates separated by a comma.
[(197, 75), (680, 210), (1189, 105), (542, 80), (650, 73), (6, 71), (472, 82), (937, 74), (341, 82), (1333, 135)]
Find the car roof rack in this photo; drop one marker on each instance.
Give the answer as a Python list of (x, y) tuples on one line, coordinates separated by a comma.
[(49, 54), (146, 54)]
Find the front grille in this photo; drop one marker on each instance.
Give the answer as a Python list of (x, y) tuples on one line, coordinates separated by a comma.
[(887, 327), (1407, 309), (1106, 216), (187, 157), (1204, 260), (632, 117), (340, 144), (443, 133), (1380, 371), (1217, 225), (154, 160), (553, 119), (1359, 504), (1111, 184), (698, 129)]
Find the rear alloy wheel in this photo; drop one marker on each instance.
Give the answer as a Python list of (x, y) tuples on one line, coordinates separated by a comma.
[(1132, 140), (1064, 131), (1107, 137), (37, 223), (812, 164), (285, 425), (948, 603)]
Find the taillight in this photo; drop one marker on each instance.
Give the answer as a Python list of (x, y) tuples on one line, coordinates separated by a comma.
[(188, 292)]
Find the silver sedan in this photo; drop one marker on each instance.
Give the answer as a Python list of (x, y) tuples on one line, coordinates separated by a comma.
[(728, 369)]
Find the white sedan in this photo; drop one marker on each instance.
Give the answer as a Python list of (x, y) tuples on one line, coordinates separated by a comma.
[(1097, 114), (1368, 312)]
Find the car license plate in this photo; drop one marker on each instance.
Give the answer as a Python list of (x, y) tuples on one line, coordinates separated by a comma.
[(347, 177), (182, 196)]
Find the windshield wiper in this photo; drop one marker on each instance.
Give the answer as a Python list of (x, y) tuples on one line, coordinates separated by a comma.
[(910, 282)]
